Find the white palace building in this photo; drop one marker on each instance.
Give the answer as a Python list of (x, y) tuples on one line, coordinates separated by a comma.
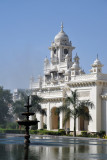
[(63, 74)]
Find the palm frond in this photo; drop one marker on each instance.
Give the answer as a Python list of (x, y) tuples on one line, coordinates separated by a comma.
[(82, 111), (86, 103), (36, 106), (36, 99), (63, 108), (37, 109), (67, 116)]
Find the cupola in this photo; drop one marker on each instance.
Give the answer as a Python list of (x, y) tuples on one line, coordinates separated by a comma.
[(61, 37), (96, 66)]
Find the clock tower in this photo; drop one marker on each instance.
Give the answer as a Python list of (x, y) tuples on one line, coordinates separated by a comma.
[(61, 48)]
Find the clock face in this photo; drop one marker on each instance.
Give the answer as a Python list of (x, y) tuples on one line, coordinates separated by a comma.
[(65, 51)]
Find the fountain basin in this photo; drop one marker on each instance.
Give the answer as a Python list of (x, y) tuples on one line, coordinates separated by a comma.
[(28, 114), (27, 122)]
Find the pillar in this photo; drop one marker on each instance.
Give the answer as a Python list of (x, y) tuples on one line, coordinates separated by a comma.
[(40, 123), (48, 117), (61, 120)]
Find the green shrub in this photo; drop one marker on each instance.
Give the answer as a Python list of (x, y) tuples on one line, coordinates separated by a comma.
[(34, 127), (46, 132), (12, 125), (61, 132), (84, 134), (101, 134), (44, 126), (93, 134), (12, 131), (33, 131)]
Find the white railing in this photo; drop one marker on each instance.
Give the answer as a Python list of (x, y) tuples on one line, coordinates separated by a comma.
[(51, 94), (84, 77), (102, 77), (35, 85), (89, 77)]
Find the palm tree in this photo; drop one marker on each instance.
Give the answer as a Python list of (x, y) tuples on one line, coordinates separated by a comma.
[(73, 107), (18, 106), (36, 104)]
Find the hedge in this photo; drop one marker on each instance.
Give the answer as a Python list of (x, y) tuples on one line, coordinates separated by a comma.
[(12, 131), (40, 132)]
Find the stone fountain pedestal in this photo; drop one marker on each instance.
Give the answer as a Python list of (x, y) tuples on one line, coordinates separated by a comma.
[(27, 122)]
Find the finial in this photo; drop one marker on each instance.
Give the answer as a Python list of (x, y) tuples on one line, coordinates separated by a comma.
[(97, 55), (62, 26)]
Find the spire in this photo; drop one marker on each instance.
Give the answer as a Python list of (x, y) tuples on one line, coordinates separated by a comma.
[(76, 58), (62, 26), (97, 55)]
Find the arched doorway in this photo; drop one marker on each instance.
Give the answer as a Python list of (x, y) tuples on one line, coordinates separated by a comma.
[(45, 120), (54, 119), (84, 123)]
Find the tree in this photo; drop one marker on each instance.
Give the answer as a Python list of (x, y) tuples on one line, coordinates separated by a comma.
[(18, 106), (5, 104), (73, 107)]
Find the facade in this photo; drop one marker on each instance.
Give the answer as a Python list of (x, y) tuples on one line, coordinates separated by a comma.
[(63, 74)]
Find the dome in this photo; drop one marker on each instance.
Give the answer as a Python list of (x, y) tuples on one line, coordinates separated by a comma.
[(76, 58), (47, 73), (46, 61), (67, 72), (61, 36), (97, 63), (75, 66)]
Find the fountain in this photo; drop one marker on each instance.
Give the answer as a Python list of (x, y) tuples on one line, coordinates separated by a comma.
[(27, 122)]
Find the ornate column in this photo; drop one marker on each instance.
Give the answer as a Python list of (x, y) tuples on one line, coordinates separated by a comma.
[(77, 124), (40, 118), (106, 116), (71, 124), (48, 116), (61, 120), (104, 113)]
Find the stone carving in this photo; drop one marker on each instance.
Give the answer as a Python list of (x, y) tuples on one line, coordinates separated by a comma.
[(84, 94)]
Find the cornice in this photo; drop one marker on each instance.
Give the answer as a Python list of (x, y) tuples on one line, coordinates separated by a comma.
[(60, 99), (104, 97), (87, 83)]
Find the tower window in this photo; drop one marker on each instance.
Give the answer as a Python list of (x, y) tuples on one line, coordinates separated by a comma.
[(54, 51), (65, 51)]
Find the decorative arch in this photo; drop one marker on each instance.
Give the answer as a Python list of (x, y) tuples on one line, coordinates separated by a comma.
[(54, 119), (84, 123)]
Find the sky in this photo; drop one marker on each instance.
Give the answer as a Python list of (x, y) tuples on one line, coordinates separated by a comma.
[(27, 28)]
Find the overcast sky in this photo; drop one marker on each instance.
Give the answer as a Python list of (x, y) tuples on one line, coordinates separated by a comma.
[(27, 28)]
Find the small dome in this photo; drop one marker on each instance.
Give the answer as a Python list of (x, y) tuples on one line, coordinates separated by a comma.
[(46, 61), (76, 58), (75, 66), (61, 36), (67, 72), (47, 73), (97, 63)]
